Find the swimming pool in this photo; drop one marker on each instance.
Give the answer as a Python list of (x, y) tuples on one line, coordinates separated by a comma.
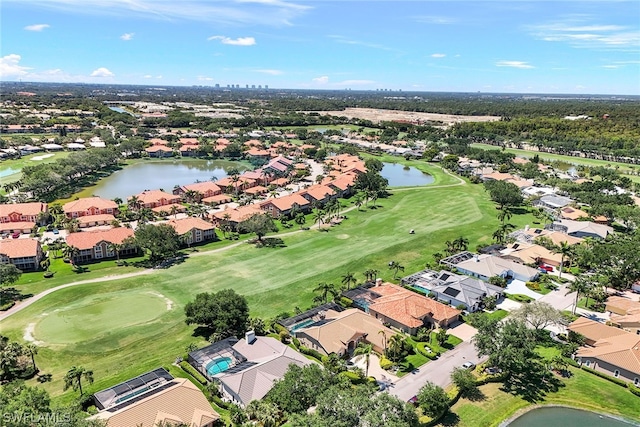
[(218, 365), (302, 325)]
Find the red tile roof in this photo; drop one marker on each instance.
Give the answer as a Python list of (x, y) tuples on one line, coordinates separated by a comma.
[(202, 187), (185, 225), (19, 248), (26, 209), (219, 198), (286, 202), (156, 148), (407, 307), (89, 239), (96, 218), (154, 196), (86, 203), (18, 225)]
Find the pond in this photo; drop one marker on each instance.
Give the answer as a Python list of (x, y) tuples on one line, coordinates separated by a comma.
[(399, 176), (565, 417), (154, 175)]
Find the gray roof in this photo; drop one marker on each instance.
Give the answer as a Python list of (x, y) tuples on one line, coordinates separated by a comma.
[(463, 288), (583, 227), (555, 201)]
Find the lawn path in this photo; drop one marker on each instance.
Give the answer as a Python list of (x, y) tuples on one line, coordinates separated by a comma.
[(20, 305)]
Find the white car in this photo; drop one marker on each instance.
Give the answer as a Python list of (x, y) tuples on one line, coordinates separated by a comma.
[(468, 365)]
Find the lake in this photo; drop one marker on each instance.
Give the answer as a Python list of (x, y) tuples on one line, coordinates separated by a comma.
[(565, 417), (152, 175), (398, 176)]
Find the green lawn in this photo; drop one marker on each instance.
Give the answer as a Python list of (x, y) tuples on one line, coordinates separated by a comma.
[(583, 390), (11, 169), (274, 280)]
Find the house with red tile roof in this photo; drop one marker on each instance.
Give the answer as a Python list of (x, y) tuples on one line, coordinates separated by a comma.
[(217, 200), (256, 153), (193, 230), (25, 254), (22, 212), (16, 227), (94, 245), (95, 220), (90, 206), (407, 310), (235, 216), (318, 193), (154, 198), (205, 189), (189, 150), (159, 151), (280, 206), (168, 209), (343, 185)]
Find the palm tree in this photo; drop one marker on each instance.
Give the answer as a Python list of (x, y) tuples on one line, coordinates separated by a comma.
[(174, 211), (461, 243), (370, 274), (73, 378), (349, 279), (384, 339), (396, 344), (117, 200), (145, 215), (365, 350), (115, 248), (451, 247), (71, 252), (318, 217), (504, 214), (32, 349), (134, 203), (581, 286), (325, 290), (437, 257), (358, 201), (300, 219), (395, 266), (565, 250)]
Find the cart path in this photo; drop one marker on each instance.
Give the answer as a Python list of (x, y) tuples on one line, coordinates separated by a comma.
[(21, 305)]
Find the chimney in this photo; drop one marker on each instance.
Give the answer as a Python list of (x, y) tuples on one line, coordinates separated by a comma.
[(526, 227), (378, 281), (476, 258), (250, 337)]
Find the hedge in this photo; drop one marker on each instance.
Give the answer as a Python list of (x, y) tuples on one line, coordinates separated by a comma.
[(432, 355), (277, 327), (605, 376), (346, 302), (385, 363), (219, 402), (193, 372), (7, 306), (309, 351), (635, 390)]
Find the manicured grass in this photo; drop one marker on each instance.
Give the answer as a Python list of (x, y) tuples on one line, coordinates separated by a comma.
[(548, 352), (11, 169), (583, 390), (593, 305), (498, 314), (274, 280)]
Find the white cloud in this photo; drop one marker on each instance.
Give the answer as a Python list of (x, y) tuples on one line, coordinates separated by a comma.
[(36, 27), (578, 32), (323, 80), (240, 41), (611, 66), (270, 72), (438, 20), (269, 12), (147, 76), (10, 66), (438, 55), (205, 78), (345, 40), (514, 64), (102, 72), (127, 36)]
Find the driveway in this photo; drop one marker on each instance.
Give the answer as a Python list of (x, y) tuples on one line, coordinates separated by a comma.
[(560, 299), (375, 370), (519, 287), (437, 371), (463, 331), (508, 305)]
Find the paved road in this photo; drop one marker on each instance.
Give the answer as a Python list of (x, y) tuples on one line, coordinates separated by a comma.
[(437, 371)]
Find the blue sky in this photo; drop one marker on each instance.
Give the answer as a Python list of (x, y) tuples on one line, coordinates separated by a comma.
[(579, 47)]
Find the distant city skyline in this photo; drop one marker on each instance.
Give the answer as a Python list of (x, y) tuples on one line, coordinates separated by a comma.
[(563, 47)]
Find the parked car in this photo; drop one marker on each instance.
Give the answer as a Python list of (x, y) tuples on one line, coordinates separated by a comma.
[(55, 231), (493, 370), (469, 365), (16, 235), (413, 400)]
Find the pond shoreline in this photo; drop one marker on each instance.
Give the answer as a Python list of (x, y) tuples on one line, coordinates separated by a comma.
[(520, 412)]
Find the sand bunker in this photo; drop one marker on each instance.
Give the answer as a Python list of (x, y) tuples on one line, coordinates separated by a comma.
[(42, 157), (28, 334)]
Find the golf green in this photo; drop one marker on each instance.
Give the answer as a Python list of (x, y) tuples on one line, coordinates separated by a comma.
[(97, 316)]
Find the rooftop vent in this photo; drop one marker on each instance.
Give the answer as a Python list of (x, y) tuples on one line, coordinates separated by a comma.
[(250, 337)]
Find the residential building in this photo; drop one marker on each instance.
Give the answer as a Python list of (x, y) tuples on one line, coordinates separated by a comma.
[(205, 189), (95, 220), (625, 313), (454, 289), (152, 399), (90, 206), (582, 229), (33, 212), (159, 151), (485, 266), (235, 216), (617, 356), (283, 206), (341, 332), (25, 254), (95, 245), (552, 201), (408, 310), (593, 331), (154, 198), (194, 230), (246, 369), (572, 213), (318, 193), (531, 254)]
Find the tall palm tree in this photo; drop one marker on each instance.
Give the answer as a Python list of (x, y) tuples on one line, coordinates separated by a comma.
[(396, 344), (581, 286), (396, 267), (358, 201), (365, 350), (504, 214), (384, 339), (349, 279), (32, 349), (117, 200), (451, 247), (75, 375), (565, 250), (174, 211), (325, 290), (318, 216), (134, 203), (461, 243), (115, 248)]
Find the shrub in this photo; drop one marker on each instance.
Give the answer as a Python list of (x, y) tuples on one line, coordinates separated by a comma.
[(7, 306), (277, 327), (533, 286), (354, 377), (284, 336), (426, 351), (193, 372), (310, 352), (605, 376), (385, 363), (635, 390), (48, 274), (346, 302), (219, 402)]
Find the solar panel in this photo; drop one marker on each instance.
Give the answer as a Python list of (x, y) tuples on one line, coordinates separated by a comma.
[(451, 292)]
